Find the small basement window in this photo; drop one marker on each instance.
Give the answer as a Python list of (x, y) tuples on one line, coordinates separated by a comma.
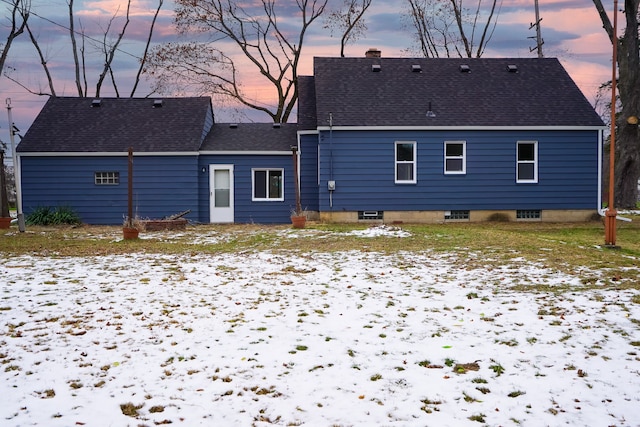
[(370, 215), (107, 178), (459, 215), (528, 214)]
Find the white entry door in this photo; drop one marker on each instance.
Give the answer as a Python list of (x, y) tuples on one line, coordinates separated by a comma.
[(221, 185)]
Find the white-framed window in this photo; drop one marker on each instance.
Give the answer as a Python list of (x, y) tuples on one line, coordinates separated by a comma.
[(527, 161), (455, 157), (106, 178), (267, 184), (405, 160)]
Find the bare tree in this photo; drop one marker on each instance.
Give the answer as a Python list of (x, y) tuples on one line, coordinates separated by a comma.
[(19, 14), (348, 21), (108, 46), (446, 28), (627, 156), (252, 35)]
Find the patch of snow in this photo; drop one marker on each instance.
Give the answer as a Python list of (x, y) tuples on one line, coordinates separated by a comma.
[(317, 339)]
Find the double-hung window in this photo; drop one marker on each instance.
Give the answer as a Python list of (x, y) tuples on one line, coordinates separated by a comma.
[(267, 184), (455, 157), (405, 162), (527, 162)]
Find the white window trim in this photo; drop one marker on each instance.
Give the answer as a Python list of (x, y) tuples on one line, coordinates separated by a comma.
[(253, 184), (534, 162), (414, 162), (464, 158)]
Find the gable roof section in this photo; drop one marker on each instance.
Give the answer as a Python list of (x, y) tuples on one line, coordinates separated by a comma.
[(397, 92), (251, 137), (76, 125)]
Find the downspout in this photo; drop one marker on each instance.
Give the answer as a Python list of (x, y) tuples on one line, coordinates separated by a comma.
[(331, 180)]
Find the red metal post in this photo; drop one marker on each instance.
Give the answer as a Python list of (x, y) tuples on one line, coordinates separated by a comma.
[(611, 213), (130, 188)]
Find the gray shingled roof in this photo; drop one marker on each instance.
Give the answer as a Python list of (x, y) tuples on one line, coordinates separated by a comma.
[(306, 103), (251, 137), (74, 125), (540, 93)]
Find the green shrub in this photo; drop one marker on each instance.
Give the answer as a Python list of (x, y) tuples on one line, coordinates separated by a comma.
[(46, 215)]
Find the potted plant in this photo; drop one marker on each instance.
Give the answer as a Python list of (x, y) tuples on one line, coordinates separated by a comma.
[(131, 228), (298, 218), (5, 217)]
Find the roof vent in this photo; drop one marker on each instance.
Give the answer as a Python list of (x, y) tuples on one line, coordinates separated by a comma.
[(512, 68), (464, 68), (157, 103), (96, 103), (233, 125), (277, 125), (416, 68), (376, 68)]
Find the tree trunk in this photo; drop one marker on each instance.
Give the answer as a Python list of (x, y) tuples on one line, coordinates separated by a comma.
[(627, 157)]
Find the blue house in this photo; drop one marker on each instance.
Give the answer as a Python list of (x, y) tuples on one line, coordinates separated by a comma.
[(433, 140), (377, 139), (76, 154)]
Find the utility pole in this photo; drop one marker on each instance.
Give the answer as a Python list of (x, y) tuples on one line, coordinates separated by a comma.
[(538, 36), (16, 168)]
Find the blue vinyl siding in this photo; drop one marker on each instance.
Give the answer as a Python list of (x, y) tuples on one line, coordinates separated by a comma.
[(162, 185), (246, 210), (363, 168), (309, 172)]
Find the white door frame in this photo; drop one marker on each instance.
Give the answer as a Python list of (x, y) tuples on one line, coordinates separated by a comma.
[(223, 210)]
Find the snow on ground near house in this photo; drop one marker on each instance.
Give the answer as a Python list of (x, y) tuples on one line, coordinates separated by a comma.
[(316, 339)]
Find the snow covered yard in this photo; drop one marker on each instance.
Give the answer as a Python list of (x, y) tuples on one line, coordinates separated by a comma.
[(347, 338)]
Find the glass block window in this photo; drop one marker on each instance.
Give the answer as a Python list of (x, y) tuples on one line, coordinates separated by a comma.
[(107, 178)]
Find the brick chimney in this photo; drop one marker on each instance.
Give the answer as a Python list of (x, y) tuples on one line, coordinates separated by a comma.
[(373, 53)]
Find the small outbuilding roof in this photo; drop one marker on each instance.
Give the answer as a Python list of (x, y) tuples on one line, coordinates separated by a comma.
[(257, 137), (456, 92), (68, 124)]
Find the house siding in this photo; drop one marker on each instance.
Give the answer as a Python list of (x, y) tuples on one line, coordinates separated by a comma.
[(309, 172), (245, 209), (363, 168), (162, 185)]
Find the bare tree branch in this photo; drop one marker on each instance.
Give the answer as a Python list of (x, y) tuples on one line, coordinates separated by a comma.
[(19, 10), (252, 34), (43, 60), (143, 61), (110, 52), (348, 21), (444, 27)]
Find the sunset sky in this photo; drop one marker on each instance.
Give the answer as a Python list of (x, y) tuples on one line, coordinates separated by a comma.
[(571, 30)]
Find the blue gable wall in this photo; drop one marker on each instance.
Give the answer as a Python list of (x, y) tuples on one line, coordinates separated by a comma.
[(162, 185), (246, 210), (363, 168)]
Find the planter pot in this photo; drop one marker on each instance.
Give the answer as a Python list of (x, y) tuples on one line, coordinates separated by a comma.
[(298, 221), (129, 233), (5, 222)]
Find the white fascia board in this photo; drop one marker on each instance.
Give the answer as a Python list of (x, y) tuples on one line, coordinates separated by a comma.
[(456, 128), (309, 132), (105, 154), (245, 153)]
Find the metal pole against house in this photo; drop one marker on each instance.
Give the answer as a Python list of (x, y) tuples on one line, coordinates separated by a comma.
[(16, 168), (611, 213)]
